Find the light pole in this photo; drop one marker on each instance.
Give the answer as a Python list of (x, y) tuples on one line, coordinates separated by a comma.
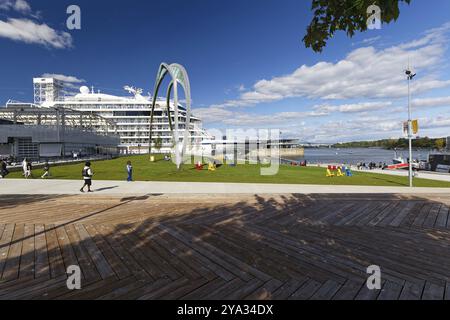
[(410, 75)]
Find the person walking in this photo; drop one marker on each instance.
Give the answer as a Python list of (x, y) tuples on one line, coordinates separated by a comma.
[(46, 170), (87, 177), (24, 167), (129, 171), (4, 169)]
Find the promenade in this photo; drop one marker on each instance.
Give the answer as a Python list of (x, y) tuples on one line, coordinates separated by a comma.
[(72, 187), (220, 246)]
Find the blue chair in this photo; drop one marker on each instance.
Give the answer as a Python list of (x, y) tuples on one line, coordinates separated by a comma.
[(349, 173)]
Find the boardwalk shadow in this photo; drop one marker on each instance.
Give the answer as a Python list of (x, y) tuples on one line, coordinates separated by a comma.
[(285, 246)]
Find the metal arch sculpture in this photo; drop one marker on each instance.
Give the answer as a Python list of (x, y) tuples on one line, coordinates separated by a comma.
[(179, 76)]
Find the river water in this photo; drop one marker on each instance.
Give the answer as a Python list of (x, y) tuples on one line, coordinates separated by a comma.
[(354, 155)]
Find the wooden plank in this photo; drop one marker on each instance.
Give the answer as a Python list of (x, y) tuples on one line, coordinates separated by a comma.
[(432, 216), (368, 294), (244, 290), (349, 290), (2, 228), (412, 291), (409, 220), (27, 256), (131, 290), (420, 219), (411, 206), (447, 291), (96, 255), (42, 267), (433, 291), (306, 291), (11, 270), (384, 213), (399, 211), (203, 292), (217, 256), (288, 288), (266, 291), (114, 261), (168, 288), (188, 262), (327, 291), (441, 221), (38, 290), (390, 291), (145, 246), (226, 289), (67, 252), (137, 254), (90, 273), (131, 264), (4, 245), (149, 287), (365, 219), (183, 290), (54, 252)]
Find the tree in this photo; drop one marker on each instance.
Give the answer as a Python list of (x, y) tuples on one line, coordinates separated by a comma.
[(345, 15), (439, 144), (158, 143)]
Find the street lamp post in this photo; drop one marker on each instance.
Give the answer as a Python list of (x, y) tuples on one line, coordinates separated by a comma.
[(410, 75)]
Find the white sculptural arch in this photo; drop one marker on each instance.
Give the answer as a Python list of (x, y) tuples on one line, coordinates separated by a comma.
[(179, 76)]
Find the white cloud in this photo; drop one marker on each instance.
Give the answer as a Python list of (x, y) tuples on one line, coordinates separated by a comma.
[(431, 102), (28, 31), (21, 6), (64, 78), (353, 108), (364, 73)]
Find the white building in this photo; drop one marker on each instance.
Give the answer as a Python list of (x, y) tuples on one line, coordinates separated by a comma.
[(130, 114), (47, 89)]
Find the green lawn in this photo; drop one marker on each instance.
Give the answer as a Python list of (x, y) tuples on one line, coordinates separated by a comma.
[(166, 171)]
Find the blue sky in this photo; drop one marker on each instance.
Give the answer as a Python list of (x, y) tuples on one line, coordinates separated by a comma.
[(247, 65)]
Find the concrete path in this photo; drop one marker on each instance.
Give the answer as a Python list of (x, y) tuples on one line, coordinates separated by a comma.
[(70, 187), (420, 174)]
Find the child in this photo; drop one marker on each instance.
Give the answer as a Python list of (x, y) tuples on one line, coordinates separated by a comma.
[(46, 170), (129, 171), (87, 177), (29, 172)]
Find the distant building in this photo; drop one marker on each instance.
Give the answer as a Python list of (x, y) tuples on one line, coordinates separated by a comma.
[(131, 114), (447, 146), (28, 131), (47, 90)]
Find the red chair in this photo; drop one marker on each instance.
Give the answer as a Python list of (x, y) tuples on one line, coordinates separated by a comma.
[(199, 166)]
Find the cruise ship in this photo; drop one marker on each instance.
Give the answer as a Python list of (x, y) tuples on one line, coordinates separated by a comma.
[(131, 114)]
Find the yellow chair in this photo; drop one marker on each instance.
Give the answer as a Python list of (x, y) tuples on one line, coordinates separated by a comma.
[(339, 173), (211, 167), (329, 173)]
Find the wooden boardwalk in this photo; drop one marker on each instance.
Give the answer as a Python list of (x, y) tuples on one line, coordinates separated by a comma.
[(225, 247)]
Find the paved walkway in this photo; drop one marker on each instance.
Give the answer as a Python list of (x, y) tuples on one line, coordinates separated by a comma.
[(229, 247), (420, 174), (70, 187)]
